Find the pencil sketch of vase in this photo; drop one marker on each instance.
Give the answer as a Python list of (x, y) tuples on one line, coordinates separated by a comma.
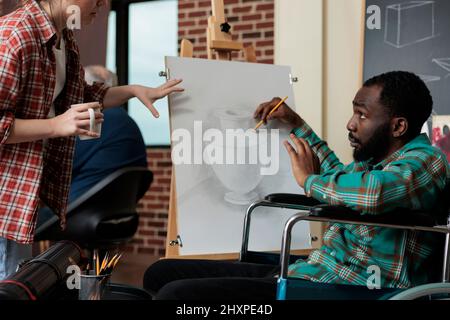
[(240, 177)]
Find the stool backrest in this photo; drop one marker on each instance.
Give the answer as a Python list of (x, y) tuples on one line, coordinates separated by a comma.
[(104, 215)]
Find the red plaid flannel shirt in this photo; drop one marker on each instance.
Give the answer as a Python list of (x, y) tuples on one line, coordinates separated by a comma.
[(28, 171)]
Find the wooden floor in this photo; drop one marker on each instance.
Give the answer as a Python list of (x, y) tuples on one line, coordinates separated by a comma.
[(131, 268)]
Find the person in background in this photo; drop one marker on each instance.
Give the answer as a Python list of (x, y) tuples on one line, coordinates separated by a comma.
[(120, 145), (41, 77)]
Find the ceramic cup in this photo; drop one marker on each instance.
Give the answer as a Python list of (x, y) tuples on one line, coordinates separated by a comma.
[(93, 126)]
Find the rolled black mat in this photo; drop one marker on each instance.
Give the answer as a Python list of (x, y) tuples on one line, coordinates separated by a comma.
[(41, 276)]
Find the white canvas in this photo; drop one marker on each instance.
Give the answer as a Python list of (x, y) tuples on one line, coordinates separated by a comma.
[(209, 222)]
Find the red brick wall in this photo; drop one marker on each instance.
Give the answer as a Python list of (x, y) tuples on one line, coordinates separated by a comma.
[(252, 22)]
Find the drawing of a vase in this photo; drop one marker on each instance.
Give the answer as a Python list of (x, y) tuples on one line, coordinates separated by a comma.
[(242, 175)]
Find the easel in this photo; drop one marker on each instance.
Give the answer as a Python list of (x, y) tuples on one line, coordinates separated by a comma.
[(220, 46), (219, 40)]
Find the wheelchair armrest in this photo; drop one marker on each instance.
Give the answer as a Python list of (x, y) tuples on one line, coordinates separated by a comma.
[(293, 199), (398, 218), (276, 200)]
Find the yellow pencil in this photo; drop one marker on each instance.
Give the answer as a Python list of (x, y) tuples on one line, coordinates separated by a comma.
[(105, 259), (111, 262), (273, 110), (97, 263), (117, 260)]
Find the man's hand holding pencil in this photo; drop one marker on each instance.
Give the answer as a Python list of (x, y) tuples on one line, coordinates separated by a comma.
[(273, 110), (304, 161)]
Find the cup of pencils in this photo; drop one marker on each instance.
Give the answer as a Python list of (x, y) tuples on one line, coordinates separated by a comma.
[(93, 281)]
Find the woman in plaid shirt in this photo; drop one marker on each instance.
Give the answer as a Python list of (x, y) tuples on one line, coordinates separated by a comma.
[(40, 78), (395, 167)]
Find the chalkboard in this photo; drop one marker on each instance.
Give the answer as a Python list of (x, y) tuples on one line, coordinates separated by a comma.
[(411, 36)]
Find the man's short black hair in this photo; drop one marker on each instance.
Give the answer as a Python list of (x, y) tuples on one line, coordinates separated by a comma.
[(406, 95)]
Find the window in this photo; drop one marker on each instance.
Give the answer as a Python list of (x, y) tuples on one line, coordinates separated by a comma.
[(149, 29), (111, 43)]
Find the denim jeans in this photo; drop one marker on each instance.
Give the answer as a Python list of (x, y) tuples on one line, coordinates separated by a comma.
[(11, 254)]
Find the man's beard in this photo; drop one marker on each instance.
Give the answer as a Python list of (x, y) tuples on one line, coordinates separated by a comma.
[(376, 147)]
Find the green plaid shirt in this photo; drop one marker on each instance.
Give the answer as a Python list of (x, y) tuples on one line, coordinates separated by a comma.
[(412, 178)]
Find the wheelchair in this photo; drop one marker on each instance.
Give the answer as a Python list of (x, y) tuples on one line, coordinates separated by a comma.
[(289, 288)]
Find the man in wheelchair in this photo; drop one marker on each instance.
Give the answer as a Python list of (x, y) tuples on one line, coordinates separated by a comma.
[(395, 167)]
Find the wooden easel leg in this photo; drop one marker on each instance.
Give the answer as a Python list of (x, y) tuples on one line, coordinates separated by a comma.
[(224, 55), (208, 42), (172, 226), (250, 54), (187, 49)]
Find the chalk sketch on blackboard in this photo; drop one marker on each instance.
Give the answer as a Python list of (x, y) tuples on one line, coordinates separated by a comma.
[(427, 78), (409, 23), (444, 63)]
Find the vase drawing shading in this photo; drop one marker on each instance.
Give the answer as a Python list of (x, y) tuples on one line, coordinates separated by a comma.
[(242, 175)]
